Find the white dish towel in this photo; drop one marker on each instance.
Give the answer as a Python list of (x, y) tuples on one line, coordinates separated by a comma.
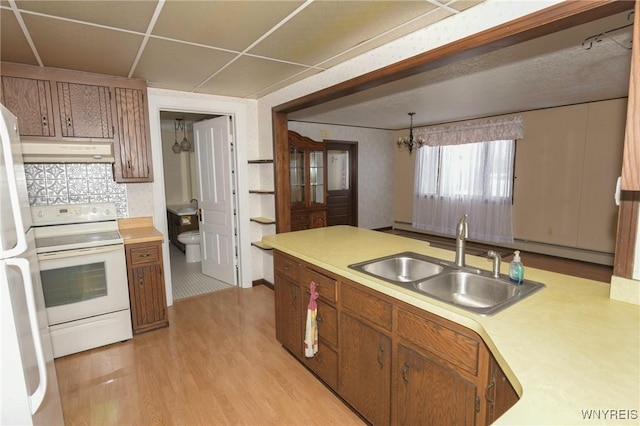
[(311, 330)]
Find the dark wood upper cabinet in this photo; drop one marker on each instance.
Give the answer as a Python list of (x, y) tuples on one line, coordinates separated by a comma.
[(32, 101), (54, 105), (132, 147), (85, 111)]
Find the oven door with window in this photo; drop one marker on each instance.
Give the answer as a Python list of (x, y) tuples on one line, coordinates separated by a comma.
[(84, 282)]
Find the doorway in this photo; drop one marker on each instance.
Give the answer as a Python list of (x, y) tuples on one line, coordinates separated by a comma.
[(342, 183), (181, 184)]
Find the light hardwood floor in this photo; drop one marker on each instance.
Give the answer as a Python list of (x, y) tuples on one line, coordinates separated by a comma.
[(217, 363)]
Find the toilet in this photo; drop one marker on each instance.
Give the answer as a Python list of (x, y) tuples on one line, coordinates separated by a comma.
[(191, 240)]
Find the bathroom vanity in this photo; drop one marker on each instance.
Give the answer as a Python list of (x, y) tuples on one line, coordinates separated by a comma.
[(181, 218)]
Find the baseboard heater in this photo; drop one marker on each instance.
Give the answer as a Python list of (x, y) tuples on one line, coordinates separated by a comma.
[(574, 253)]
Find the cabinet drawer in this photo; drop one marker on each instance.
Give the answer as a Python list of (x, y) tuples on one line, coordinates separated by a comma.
[(325, 286), (144, 254), (447, 344), (367, 306), (286, 266), (325, 365), (327, 322)]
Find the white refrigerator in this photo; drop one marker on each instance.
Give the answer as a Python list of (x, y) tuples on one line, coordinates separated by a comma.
[(29, 392)]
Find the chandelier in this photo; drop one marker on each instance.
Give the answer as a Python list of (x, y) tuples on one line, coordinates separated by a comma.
[(408, 143), (185, 145)]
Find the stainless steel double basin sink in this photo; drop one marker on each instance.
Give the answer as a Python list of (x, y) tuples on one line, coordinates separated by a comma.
[(466, 287)]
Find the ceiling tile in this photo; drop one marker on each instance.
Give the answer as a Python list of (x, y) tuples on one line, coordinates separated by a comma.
[(14, 46), (230, 25), (79, 47), (464, 4), (286, 82), (326, 28), (130, 15), (248, 75), (170, 65), (426, 20)]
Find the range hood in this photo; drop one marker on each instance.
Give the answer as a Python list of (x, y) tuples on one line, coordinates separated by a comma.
[(67, 152)]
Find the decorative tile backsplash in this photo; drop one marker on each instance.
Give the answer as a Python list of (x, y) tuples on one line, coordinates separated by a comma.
[(74, 183)]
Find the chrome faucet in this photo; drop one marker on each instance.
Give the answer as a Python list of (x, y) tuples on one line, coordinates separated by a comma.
[(462, 233), (192, 200), (496, 263)]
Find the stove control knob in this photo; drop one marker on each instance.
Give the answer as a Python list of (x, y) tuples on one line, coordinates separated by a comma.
[(107, 212), (40, 213), (94, 210)]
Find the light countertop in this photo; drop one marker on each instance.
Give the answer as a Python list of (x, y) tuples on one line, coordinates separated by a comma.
[(139, 230), (568, 349)]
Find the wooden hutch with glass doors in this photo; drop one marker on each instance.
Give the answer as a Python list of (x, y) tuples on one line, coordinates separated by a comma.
[(307, 172)]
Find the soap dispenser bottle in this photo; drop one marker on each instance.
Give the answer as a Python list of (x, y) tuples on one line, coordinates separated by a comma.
[(516, 269)]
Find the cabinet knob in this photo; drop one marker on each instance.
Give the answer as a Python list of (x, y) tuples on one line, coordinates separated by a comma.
[(140, 281), (144, 255), (45, 122), (69, 122), (319, 318)]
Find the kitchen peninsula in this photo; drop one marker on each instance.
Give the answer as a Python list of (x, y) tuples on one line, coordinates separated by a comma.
[(571, 353)]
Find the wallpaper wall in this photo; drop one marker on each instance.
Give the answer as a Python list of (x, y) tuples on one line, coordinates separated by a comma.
[(74, 183)]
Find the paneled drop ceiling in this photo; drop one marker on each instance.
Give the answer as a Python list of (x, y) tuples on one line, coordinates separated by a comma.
[(235, 48)]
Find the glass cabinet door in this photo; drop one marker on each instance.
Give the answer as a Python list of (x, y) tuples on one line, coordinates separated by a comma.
[(297, 178), (316, 176)]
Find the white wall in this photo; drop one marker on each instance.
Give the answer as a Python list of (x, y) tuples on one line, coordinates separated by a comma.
[(375, 168)]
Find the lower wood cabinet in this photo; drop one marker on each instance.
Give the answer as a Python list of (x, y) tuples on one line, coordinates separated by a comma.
[(391, 362), (146, 286), (429, 390), (365, 369), (289, 313)]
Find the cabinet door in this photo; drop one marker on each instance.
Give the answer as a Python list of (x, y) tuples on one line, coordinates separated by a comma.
[(30, 100), (318, 219), (133, 149), (85, 111), (148, 303), (500, 395), (288, 314), (365, 370), (430, 393)]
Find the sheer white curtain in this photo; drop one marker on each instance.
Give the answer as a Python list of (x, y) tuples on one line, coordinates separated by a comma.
[(472, 178)]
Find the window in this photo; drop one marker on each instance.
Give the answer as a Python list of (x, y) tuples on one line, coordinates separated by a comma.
[(474, 179), (481, 170)]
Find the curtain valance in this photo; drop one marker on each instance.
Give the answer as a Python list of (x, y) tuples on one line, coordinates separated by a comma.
[(503, 128)]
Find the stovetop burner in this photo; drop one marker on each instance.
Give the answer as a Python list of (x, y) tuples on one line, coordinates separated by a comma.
[(77, 226)]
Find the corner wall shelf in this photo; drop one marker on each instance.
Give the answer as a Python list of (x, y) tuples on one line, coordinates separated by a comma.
[(261, 245), (262, 191), (263, 220), (260, 161)]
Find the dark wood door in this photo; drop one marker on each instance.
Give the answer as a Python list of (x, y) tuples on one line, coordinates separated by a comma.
[(342, 183), (365, 370), (431, 394)]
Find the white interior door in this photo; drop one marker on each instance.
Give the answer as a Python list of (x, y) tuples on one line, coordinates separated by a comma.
[(215, 197)]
